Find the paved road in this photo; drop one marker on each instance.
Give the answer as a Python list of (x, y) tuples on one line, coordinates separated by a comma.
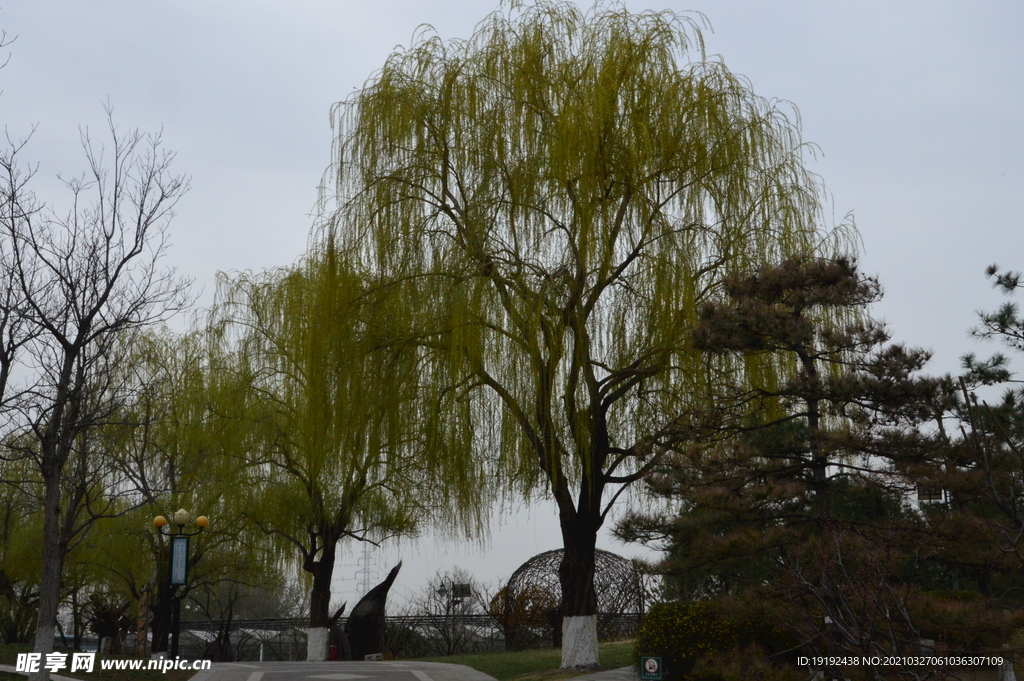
[(371, 671), (10, 669), (340, 671), (353, 671), (620, 674)]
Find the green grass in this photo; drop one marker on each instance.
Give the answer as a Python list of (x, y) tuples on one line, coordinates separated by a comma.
[(9, 655), (9, 652), (539, 664)]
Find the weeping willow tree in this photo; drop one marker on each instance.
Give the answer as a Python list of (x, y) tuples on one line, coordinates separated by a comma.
[(183, 453), (339, 443), (557, 195)]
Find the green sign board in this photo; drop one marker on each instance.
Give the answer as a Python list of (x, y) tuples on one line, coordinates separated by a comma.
[(650, 669)]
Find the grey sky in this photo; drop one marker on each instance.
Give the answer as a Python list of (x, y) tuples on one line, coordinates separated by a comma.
[(918, 108)]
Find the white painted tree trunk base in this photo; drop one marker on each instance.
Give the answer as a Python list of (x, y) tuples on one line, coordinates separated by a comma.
[(579, 642), (316, 643)]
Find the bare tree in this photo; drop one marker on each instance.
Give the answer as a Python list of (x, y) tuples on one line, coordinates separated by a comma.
[(448, 604), (88, 280), (17, 205)]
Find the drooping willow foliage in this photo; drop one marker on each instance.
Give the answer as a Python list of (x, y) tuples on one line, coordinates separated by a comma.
[(192, 456), (331, 395), (555, 196)]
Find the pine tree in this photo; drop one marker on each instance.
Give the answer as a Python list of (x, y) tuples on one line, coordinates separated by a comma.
[(798, 489)]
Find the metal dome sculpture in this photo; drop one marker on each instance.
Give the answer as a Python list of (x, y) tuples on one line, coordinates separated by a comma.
[(528, 607)]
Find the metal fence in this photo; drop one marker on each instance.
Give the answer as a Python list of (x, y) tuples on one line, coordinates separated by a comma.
[(406, 636)]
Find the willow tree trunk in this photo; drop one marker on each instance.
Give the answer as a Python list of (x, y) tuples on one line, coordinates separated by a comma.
[(320, 602), (579, 600), (161, 609)]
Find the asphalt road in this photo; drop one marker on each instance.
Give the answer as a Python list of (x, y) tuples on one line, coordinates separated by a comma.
[(340, 671), (354, 671)]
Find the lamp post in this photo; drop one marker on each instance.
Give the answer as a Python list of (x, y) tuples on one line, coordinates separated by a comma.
[(179, 562), (452, 594)]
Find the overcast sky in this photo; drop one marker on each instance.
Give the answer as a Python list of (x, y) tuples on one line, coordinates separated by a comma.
[(917, 107)]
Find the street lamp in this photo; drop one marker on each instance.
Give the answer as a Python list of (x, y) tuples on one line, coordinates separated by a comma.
[(452, 594), (458, 591), (179, 562)]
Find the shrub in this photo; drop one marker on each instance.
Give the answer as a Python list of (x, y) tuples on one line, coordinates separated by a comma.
[(529, 620), (686, 631), (964, 621), (748, 663), (760, 622), (405, 642)]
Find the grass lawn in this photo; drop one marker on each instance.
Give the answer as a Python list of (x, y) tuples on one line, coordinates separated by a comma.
[(537, 665), (9, 655)]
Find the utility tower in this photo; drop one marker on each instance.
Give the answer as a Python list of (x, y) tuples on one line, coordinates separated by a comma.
[(365, 574)]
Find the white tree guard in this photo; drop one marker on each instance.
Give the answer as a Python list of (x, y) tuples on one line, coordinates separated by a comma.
[(316, 643), (579, 642)]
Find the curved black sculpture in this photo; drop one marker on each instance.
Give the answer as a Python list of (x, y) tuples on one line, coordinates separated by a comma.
[(337, 639), (365, 626)]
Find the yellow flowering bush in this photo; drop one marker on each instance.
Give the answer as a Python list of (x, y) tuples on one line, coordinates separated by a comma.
[(684, 631)]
